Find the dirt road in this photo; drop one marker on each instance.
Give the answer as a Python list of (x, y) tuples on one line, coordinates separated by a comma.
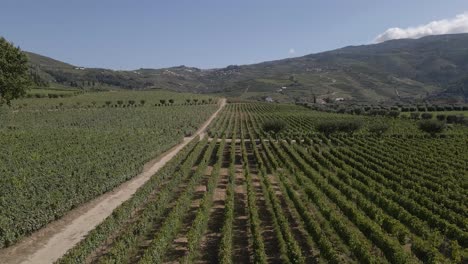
[(53, 241)]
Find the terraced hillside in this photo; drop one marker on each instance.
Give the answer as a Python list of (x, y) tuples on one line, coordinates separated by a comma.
[(432, 68)]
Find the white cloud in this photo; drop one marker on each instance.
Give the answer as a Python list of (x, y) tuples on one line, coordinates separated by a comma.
[(458, 24), (292, 51)]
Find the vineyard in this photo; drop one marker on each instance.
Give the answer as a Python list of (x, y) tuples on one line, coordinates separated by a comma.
[(296, 196), (59, 153)]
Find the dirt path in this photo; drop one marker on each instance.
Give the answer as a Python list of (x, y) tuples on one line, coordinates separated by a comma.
[(51, 242)]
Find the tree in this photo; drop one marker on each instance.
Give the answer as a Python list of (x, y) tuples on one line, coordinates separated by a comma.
[(414, 115), (357, 111), (274, 126), (394, 113), (379, 128), (162, 101), (455, 119), (187, 100), (171, 101), (195, 100), (426, 116), (14, 72), (345, 126), (142, 102), (441, 117), (431, 126)]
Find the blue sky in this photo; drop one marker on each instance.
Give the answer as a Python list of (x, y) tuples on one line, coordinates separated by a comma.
[(204, 33)]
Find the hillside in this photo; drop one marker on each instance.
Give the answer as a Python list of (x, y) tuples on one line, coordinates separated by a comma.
[(431, 67)]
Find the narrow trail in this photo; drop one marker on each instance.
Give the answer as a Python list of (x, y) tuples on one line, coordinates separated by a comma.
[(48, 244)]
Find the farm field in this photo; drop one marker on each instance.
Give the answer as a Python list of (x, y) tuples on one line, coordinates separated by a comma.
[(59, 153), (247, 196), (435, 113)]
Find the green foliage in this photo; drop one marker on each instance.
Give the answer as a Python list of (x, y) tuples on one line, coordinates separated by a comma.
[(432, 126), (358, 72), (415, 115), (53, 161), (426, 116), (345, 126), (379, 128), (304, 197), (14, 75), (274, 126), (441, 117)]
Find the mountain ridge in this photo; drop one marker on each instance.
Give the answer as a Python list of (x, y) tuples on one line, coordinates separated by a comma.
[(432, 67)]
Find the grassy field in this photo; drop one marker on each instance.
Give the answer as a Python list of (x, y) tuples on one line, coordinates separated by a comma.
[(60, 152), (247, 196)]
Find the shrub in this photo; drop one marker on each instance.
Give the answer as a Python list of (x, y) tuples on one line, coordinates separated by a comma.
[(378, 112), (426, 116), (142, 102), (414, 115), (441, 117), (274, 126), (345, 126), (357, 111), (378, 128), (162, 101), (171, 101), (455, 119), (394, 113), (451, 119), (431, 126)]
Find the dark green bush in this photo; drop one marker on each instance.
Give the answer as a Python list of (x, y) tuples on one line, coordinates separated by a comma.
[(414, 115), (441, 117), (345, 126), (431, 126), (274, 126), (394, 113), (426, 116), (378, 128)]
